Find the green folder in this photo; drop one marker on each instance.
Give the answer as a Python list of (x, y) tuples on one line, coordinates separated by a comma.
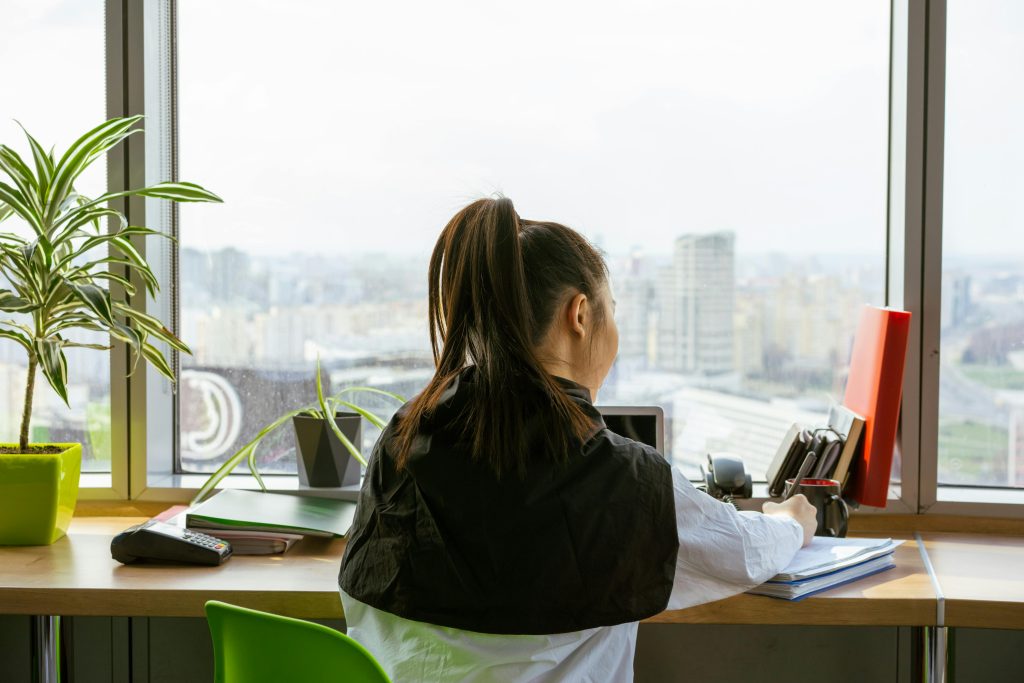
[(251, 510)]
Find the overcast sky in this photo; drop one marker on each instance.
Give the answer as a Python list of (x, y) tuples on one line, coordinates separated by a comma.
[(352, 127)]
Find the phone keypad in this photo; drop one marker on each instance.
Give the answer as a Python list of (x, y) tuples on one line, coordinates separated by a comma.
[(204, 540)]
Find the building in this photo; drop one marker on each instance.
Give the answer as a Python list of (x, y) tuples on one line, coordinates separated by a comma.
[(696, 302)]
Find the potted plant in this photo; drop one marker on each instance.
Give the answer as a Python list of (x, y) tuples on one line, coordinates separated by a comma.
[(55, 277), (327, 453)]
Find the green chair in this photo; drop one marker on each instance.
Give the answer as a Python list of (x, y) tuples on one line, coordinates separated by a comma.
[(252, 647)]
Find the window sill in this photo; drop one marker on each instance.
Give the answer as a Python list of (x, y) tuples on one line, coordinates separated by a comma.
[(181, 488), (981, 495), (95, 480)]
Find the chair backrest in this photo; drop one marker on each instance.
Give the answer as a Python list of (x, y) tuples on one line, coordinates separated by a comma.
[(251, 647)]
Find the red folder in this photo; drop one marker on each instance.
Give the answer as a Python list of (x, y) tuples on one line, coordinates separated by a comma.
[(874, 389)]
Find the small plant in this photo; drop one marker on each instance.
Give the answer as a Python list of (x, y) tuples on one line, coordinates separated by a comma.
[(325, 408), (61, 269)]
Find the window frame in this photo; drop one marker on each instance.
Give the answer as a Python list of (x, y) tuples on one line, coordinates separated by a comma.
[(913, 261)]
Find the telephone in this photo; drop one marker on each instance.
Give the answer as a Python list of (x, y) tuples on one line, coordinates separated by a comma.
[(156, 540), (725, 478)]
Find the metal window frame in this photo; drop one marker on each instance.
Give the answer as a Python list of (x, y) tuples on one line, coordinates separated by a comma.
[(913, 258), (100, 486)]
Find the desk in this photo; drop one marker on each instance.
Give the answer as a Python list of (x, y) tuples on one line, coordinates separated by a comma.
[(899, 597), (981, 578), (77, 577)]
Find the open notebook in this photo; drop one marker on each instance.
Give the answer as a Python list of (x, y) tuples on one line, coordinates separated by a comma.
[(827, 563)]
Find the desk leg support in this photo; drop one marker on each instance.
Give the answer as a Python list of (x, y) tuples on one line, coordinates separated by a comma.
[(44, 649), (937, 653), (929, 654)]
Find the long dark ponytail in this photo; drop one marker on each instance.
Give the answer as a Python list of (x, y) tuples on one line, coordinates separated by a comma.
[(484, 313)]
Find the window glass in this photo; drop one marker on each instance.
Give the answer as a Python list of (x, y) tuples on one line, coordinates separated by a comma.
[(981, 395), (55, 85), (729, 158)]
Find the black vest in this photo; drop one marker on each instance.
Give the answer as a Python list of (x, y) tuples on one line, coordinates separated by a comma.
[(568, 547)]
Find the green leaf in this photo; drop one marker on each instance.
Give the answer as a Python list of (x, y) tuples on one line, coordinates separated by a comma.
[(81, 345), (157, 360), (79, 218), (5, 211), (328, 414), (372, 418), (95, 298), (21, 174), (128, 335), (25, 342), (179, 192), (372, 390), (13, 198), (129, 288), (12, 303), (83, 152), (253, 469), (143, 269), (54, 365), (176, 192), (43, 162), (153, 326), (76, 322), (241, 454)]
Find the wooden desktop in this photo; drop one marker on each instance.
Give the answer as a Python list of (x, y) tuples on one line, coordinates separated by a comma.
[(980, 577)]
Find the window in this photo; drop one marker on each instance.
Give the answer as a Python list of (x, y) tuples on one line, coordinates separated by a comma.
[(981, 399), (42, 40), (729, 160)]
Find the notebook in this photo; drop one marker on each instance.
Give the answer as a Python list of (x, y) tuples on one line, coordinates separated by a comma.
[(827, 563), (873, 390), (253, 511)]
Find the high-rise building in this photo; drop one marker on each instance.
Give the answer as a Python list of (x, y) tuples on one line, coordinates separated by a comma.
[(635, 311), (956, 299), (229, 274), (696, 301)]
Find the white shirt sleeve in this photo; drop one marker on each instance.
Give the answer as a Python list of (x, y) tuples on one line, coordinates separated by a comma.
[(722, 551)]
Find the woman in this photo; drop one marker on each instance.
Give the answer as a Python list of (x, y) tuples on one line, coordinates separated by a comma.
[(502, 532)]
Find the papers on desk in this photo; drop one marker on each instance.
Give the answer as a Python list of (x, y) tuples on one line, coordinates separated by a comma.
[(263, 523), (829, 562), (255, 542)]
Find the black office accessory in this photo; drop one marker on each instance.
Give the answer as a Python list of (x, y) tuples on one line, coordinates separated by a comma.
[(160, 541), (802, 473), (850, 426), (726, 478), (827, 445)]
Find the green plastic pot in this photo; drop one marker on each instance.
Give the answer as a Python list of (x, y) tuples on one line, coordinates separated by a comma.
[(38, 493)]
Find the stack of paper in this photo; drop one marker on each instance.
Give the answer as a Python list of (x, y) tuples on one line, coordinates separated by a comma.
[(829, 562), (254, 542)]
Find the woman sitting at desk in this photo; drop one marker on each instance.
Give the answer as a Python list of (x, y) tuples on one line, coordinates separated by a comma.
[(502, 532)]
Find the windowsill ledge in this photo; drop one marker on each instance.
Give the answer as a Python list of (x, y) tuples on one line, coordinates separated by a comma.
[(189, 484), (980, 495)]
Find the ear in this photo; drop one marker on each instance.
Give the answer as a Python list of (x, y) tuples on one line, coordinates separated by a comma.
[(578, 314)]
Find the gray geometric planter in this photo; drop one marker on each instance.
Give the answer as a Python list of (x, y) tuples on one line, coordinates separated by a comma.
[(322, 459)]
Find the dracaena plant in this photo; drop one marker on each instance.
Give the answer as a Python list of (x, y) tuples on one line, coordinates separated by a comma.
[(324, 406), (56, 272)]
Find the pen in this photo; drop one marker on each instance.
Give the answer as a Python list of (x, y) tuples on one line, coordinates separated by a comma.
[(805, 469)]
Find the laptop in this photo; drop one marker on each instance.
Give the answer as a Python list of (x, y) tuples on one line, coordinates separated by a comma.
[(645, 424)]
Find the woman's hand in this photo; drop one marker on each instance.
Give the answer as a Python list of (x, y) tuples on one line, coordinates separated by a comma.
[(799, 509)]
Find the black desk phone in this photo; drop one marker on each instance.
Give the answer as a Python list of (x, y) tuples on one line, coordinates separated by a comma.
[(155, 540)]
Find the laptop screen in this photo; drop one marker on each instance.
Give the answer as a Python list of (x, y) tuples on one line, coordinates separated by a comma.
[(645, 424)]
